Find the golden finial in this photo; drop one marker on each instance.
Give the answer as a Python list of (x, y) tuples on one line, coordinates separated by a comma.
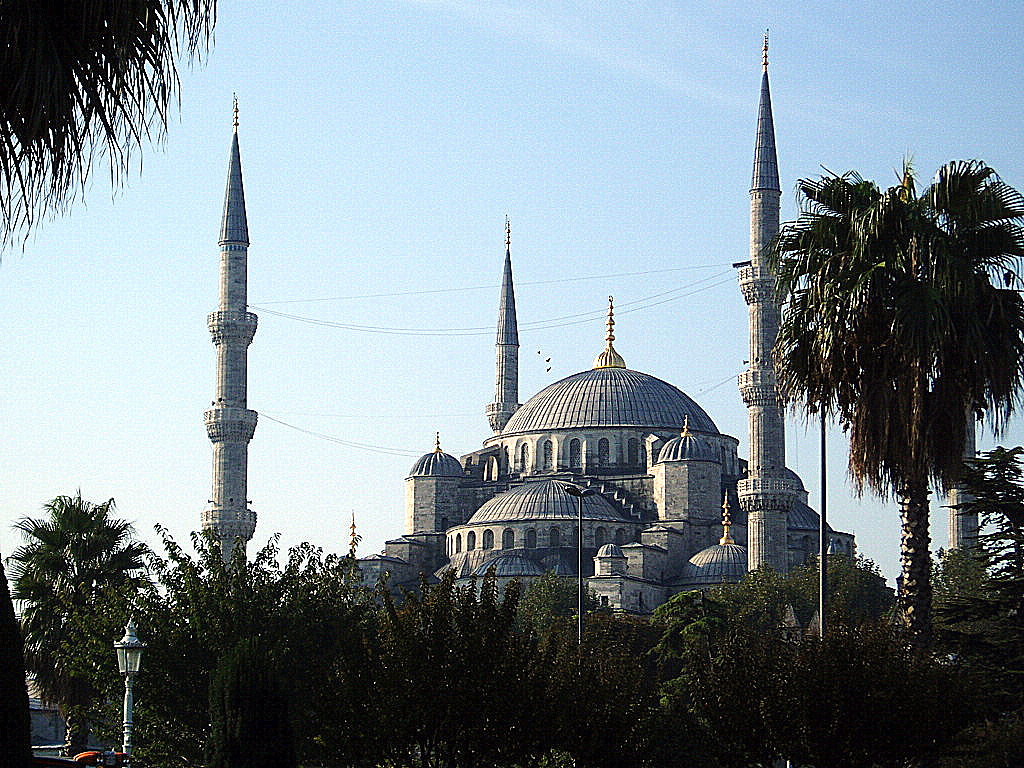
[(235, 121), (508, 233), (726, 522), (686, 426), (354, 538), (764, 59), (437, 442), (609, 358)]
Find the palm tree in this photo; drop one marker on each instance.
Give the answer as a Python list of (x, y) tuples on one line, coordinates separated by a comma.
[(901, 318), (77, 565), (80, 78)]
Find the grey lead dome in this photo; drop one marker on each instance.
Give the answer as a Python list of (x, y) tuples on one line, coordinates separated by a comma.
[(609, 397), (436, 464), (544, 500)]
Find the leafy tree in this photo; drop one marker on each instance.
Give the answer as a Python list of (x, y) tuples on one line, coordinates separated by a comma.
[(81, 78), (15, 725), (900, 317), (551, 599), (307, 609), (78, 570), (249, 720)]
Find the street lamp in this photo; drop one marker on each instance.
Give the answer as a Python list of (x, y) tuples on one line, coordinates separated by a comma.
[(129, 659), (580, 494)]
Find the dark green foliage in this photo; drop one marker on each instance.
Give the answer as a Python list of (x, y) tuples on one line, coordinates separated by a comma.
[(78, 564), (307, 610), (901, 316), (80, 78), (249, 718), (552, 599), (15, 725)]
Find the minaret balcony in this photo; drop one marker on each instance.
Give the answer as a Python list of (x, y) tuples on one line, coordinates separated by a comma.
[(757, 284), (759, 388), (231, 425), (231, 326), (766, 493)]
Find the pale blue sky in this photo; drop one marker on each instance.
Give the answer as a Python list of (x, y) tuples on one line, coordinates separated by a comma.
[(382, 144)]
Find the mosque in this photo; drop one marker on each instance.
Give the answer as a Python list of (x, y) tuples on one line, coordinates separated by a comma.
[(611, 462)]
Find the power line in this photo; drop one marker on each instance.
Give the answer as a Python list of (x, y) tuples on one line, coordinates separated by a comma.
[(490, 286), (347, 443), (537, 325)]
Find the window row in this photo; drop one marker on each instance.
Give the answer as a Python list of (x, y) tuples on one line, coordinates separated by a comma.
[(554, 538)]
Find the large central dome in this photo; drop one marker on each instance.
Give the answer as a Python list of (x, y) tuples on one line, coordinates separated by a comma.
[(609, 397)]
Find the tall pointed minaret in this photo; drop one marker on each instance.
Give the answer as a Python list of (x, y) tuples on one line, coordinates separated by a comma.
[(766, 493), (229, 423), (506, 388), (963, 525)]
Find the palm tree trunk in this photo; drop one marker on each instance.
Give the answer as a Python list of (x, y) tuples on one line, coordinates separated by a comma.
[(916, 595)]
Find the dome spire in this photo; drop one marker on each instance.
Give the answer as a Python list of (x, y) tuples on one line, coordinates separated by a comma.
[(686, 426), (726, 522), (437, 443), (354, 538), (609, 358)]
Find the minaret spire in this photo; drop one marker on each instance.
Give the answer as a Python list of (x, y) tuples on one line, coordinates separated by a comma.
[(506, 390), (229, 423), (766, 494)]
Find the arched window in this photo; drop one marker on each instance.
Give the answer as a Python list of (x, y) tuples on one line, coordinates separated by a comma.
[(508, 462), (471, 541), (643, 455), (444, 523), (524, 456), (554, 537), (531, 539), (620, 536), (576, 454), (492, 468), (508, 539), (488, 539), (458, 543), (549, 454), (602, 452), (600, 537), (633, 452)]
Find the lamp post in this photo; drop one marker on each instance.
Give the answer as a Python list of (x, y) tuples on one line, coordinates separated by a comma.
[(129, 659), (580, 494)]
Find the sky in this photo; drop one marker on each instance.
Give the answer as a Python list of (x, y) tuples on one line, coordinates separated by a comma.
[(383, 144)]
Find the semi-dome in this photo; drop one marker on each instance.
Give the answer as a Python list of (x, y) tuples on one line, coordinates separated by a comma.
[(543, 500), (437, 463), (801, 517), (609, 397), (688, 447), (717, 564), (510, 565)]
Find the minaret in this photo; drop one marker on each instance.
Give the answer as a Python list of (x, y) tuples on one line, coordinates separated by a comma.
[(963, 526), (229, 423), (765, 494), (506, 389)]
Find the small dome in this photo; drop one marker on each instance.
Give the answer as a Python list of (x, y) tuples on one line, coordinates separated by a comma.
[(610, 550), (718, 564), (510, 565), (802, 518), (688, 447), (544, 500), (437, 463)]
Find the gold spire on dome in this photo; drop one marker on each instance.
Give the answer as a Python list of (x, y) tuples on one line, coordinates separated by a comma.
[(686, 426), (726, 522), (764, 59), (437, 442), (235, 121), (354, 538), (609, 358)]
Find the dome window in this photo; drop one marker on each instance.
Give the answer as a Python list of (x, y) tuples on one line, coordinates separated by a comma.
[(600, 537), (549, 455), (531, 539), (508, 539), (458, 543), (603, 450), (576, 454), (488, 539), (524, 457), (555, 537), (471, 541), (633, 452)]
